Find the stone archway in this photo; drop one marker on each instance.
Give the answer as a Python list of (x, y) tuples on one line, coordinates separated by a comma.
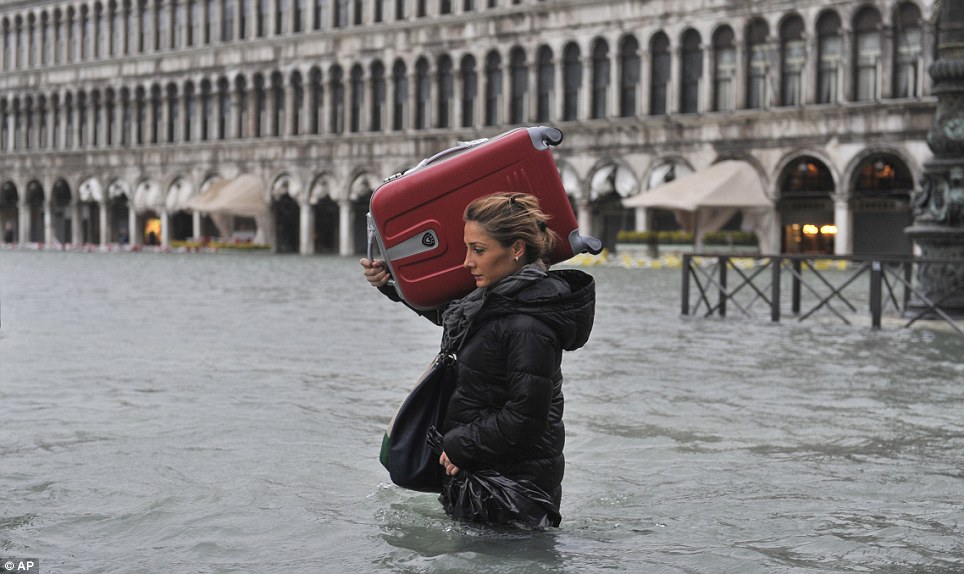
[(62, 218), (806, 207), (9, 212), (880, 194)]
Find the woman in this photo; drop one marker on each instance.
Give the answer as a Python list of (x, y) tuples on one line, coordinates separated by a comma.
[(508, 336)]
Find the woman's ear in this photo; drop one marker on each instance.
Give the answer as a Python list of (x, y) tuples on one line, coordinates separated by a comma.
[(519, 250)]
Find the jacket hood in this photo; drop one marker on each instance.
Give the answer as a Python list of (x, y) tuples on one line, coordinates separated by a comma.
[(565, 300)]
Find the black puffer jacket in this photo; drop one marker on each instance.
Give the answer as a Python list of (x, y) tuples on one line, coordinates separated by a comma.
[(506, 413)]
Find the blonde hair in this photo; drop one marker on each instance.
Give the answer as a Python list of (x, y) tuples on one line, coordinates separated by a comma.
[(508, 217)]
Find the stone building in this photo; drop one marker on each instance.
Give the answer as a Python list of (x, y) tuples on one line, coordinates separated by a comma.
[(118, 116)]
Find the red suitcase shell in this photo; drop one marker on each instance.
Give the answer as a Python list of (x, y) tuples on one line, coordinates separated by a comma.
[(415, 219)]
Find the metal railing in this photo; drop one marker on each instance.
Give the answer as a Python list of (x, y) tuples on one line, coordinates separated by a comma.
[(817, 285)]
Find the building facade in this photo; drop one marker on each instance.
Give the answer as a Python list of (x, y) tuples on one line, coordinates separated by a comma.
[(114, 114)]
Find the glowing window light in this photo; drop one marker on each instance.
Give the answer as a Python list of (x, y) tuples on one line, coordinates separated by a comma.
[(828, 230), (810, 229)]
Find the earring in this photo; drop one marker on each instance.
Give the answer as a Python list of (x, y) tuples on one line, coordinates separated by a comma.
[(516, 257)]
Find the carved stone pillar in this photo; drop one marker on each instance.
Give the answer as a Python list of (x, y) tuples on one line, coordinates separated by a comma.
[(938, 229)]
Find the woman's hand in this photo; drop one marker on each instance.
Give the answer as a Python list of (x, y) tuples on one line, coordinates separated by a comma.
[(375, 271), (450, 469)]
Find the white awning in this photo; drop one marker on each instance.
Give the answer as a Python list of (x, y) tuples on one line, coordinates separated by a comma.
[(238, 196), (704, 201), (728, 183)]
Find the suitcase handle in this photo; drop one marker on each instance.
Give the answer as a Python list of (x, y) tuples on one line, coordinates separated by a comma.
[(542, 137), (447, 152)]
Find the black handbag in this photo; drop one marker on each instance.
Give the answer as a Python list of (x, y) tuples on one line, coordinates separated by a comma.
[(410, 461)]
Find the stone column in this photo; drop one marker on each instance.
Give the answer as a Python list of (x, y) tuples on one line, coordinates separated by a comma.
[(135, 237), (938, 205), (346, 245), (104, 229), (843, 218), (307, 226)]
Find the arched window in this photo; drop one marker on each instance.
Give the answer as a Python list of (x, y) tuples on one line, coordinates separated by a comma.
[(866, 55), (470, 90), (341, 13), (190, 118), (140, 117), (317, 95), (281, 17), (493, 88), (298, 16), (297, 103), (757, 93), (661, 69), (571, 81), (145, 31), (600, 79), (207, 111), (173, 113), (97, 31), (55, 123), (130, 13), (261, 18), (260, 119), (379, 95), (399, 95), (423, 93), (245, 9), (629, 74), (519, 88), (82, 133), (357, 98), (691, 72), (69, 115), (86, 34), (337, 107), (33, 53), (277, 105), (242, 128), (545, 84), (73, 24), (125, 126), (59, 39), (446, 91), (724, 70), (45, 40), (907, 52), (227, 21), (829, 54), (114, 38), (210, 19), (7, 45), (793, 58), (42, 136), (109, 104), (161, 17), (224, 108), (28, 124)]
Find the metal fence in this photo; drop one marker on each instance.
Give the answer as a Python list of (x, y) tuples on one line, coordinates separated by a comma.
[(819, 286)]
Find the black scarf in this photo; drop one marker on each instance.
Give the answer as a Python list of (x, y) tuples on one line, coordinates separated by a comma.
[(459, 314)]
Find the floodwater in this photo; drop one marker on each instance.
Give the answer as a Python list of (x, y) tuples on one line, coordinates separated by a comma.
[(223, 413)]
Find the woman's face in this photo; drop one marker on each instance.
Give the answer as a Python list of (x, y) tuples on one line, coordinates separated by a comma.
[(488, 260)]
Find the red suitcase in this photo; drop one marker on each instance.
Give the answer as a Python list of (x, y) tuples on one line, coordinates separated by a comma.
[(415, 218)]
